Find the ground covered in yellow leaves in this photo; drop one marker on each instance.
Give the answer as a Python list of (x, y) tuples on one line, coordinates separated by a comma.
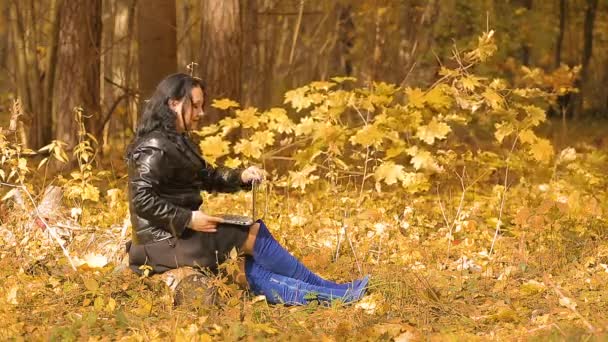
[(435, 273)]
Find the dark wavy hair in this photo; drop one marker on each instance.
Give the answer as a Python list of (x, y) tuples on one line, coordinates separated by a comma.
[(157, 114)]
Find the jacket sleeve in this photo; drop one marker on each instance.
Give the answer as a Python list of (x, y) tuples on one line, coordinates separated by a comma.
[(148, 162), (222, 179)]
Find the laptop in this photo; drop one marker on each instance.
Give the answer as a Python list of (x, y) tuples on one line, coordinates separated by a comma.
[(242, 220)]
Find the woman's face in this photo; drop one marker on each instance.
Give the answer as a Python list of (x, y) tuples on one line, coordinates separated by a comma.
[(192, 112)]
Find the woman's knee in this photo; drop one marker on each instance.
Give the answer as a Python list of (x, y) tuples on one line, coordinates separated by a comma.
[(251, 237)]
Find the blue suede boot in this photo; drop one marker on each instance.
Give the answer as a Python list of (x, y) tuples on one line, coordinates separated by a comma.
[(280, 289), (269, 253)]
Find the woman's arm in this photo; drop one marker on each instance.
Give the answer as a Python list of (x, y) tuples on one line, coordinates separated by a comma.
[(222, 179), (144, 179)]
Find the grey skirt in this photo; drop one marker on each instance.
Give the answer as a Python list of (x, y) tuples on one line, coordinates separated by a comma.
[(193, 248)]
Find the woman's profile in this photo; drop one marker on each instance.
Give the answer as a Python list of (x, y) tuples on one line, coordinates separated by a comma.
[(166, 175)]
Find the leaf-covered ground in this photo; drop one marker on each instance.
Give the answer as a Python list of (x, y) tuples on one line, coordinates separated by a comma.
[(433, 276)]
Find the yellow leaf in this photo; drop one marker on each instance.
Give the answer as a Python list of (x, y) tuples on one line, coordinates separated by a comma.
[(527, 136), (228, 124), (208, 130), (437, 99), (503, 129), (542, 150), (415, 97), (343, 79), (536, 115), (322, 85), (368, 136), (422, 159), (470, 82), (303, 178), (305, 127), (249, 117), (389, 172), (91, 284), (214, 147), (434, 130), (224, 104), (298, 99), (42, 162), (248, 148), (232, 163), (493, 99), (263, 138)]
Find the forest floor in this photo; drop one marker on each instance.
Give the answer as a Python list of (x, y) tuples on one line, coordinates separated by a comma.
[(438, 269)]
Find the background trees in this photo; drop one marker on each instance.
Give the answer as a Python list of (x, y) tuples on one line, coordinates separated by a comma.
[(106, 56)]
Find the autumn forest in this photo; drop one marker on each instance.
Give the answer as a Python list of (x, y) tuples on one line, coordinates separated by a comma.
[(455, 151)]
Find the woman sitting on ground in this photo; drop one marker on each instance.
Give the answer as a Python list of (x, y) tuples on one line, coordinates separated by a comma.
[(166, 175)]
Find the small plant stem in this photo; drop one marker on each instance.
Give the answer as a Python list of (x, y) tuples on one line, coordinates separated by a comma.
[(353, 250), (502, 200), (448, 225), (364, 174)]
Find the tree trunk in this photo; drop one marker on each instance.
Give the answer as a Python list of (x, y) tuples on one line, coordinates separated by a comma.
[(157, 48), (560, 33), (590, 13), (78, 71), (29, 75), (220, 57), (525, 48)]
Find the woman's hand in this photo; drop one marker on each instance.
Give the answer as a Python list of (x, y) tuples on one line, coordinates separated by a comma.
[(252, 174), (202, 222)]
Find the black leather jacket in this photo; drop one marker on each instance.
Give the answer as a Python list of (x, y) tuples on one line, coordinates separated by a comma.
[(165, 179)]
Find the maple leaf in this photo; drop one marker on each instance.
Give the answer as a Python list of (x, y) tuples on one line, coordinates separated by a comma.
[(322, 85), (536, 115), (249, 117), (503, 129), (368, 136), (415, 97), (207, 130), (302, 178), (228, 124), (298, 98), (232, 163), (437, 99), (389, 172), (305, 127), (434, 130), (470, 82), (493, 98), (527, 136), (343, 79), (224, 104), (422, 159), (542, 150), (248, 148), (214, 147), (263, 138)]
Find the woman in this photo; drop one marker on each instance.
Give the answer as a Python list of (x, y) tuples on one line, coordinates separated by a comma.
[(166, 175)]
